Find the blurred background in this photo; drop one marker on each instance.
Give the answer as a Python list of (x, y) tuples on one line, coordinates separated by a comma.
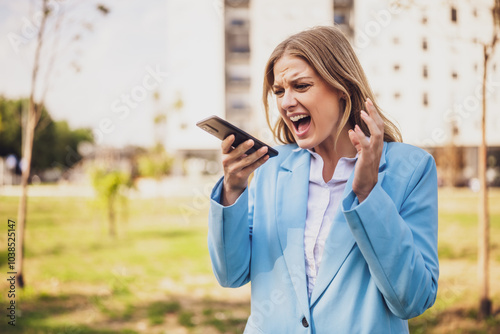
[(107, 177)]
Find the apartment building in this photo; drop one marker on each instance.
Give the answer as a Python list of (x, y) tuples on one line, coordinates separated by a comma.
[(423, 60)]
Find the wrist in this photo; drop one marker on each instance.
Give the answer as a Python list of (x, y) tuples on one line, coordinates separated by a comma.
[(362, 195), (230, 194)]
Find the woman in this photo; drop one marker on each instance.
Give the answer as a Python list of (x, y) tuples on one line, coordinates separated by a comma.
[(338, 233)]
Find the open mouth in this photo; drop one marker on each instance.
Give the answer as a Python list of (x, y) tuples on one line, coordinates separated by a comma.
[(301, 123)]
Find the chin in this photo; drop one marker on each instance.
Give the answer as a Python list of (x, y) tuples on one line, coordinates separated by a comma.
[(304, 144)]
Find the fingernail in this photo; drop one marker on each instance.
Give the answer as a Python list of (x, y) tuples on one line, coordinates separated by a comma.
[(363, 113), (357, 127), (369, 101), (350, 130)]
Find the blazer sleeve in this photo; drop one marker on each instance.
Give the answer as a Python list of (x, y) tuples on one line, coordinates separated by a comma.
[(400, 245), (229, 238)]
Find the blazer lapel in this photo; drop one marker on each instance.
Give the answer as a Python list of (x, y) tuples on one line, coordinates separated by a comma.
[(340, 241), (291, 209)]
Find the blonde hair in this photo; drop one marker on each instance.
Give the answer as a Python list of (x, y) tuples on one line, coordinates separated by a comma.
[(328, 52)]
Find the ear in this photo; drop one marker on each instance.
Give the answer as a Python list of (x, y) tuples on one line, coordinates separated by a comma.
[(342, 101)]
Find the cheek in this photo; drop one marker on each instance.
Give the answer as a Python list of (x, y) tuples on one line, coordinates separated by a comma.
[(278, 104)]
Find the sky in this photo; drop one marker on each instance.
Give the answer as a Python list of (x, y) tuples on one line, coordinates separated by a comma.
[(121, 63)]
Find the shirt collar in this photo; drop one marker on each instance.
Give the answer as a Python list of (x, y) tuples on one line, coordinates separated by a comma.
[(342, 172)]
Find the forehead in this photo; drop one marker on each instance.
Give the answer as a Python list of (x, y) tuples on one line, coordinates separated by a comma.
[(288, 68)]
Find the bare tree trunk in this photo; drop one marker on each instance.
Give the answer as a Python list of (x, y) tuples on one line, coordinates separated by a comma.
[(34, 111), (484, 224), (111, 215)]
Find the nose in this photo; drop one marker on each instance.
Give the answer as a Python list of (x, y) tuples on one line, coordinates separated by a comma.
[(288, 100)]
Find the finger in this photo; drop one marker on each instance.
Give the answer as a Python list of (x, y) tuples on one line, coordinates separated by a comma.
[(250, 159), (358, 138), (231, 159), (243, 147), (227, 143), (375, 130), (239, 151), (373, 112), (262, 160), (363, 140), (354, 139)]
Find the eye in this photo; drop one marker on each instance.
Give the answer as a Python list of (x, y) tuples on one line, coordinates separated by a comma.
[(278, 92), (302, 86)]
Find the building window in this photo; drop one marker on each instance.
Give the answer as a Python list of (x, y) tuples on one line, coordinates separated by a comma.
[(395, 40), (424, 44), (474, 12), (453, 15), (396, 67), (425, 72), (237, 104), (237, 24), (397, 95), (340, 18), (237, 34), (425, 100), (237, 3), (454, 75), (475, 67), (238, 43), (343, 3), (424, 20)]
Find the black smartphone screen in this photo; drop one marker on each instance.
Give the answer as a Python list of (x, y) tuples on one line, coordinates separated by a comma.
[(221, 128)]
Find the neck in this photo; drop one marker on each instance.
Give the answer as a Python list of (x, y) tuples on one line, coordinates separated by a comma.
[(331, 152)]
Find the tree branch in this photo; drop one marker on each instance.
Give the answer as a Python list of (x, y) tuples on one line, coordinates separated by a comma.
[(36, 64)]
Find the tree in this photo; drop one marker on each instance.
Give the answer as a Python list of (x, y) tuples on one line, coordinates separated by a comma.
[(484, 224), (110, 186), (54, 144), (34, 112), (11, 112), (156, 163)]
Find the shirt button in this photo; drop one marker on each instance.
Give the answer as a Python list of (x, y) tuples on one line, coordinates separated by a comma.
[(304, 322)]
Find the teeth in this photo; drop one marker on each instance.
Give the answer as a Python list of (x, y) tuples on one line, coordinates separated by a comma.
[(296, 118)]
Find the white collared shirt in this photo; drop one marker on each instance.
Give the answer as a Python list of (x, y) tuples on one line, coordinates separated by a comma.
[(322, 204)]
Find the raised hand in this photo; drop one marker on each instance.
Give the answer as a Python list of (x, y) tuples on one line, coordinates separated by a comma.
[(238, 166), (369, 151)]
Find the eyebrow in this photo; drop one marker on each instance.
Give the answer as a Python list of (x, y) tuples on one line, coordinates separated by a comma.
[(294, 80)]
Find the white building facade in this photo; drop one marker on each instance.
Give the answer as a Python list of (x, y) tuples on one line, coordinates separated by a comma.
[(423, 60)]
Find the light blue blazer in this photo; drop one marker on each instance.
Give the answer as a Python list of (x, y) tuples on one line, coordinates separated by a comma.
[(380, 263)]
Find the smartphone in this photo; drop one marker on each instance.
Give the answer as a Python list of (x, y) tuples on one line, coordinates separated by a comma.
[(221, 129)]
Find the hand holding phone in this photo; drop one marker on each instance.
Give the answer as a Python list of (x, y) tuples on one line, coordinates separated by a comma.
[(222, 129), (241, 155)]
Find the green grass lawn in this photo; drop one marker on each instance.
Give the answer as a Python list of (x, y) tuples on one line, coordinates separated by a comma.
[(155, 276)]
